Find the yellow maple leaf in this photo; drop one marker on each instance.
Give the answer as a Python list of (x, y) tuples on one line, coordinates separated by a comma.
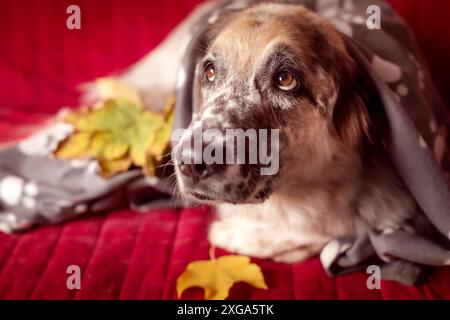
[(162, 137), (74, 145), (109, 168), (217, 276), (117, 132)]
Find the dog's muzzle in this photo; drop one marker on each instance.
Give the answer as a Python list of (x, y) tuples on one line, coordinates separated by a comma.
[(223, 164)]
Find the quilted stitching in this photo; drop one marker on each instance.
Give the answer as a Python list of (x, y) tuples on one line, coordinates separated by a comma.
[(114, 272), (50, 257)]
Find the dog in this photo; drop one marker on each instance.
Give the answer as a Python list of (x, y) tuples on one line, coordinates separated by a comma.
[(280, 66)]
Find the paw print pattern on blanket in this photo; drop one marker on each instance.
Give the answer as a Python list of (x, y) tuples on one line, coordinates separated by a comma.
[(341, 14), (440, 140), (391, 74), (15, 192)]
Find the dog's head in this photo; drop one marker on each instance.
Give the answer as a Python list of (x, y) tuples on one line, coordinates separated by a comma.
[(283, 78)]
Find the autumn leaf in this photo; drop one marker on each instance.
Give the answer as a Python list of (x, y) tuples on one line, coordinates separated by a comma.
[(108, 146), (217, 276), (111, 167), (144, 135), (117, 132), (75, 145), (162, 137)]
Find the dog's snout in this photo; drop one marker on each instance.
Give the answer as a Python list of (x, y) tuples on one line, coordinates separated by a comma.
[(199, 171), (196, 158), (195, 171)]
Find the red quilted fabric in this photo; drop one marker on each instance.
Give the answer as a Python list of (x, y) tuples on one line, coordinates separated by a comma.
[(131, 255)]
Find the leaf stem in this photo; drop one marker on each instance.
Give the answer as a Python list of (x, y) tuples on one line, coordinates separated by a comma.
[(212, 254)]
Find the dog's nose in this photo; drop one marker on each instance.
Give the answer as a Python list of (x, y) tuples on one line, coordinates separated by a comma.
[(194, 163), (197, 171)]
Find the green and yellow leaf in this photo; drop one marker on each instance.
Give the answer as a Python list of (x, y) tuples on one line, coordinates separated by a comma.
[(118, 132), (108, 168), (74, 146)]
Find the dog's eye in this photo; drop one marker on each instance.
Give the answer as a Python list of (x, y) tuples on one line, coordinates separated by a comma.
[(210, 72), (285, 80)]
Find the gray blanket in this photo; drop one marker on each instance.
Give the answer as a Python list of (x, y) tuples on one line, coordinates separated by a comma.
[(38, 189)]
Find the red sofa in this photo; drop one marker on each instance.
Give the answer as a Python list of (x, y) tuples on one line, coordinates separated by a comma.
[(125, 254)]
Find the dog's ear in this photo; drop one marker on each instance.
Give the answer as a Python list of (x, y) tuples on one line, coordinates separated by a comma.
[(337, 86), (358, 114), (350, 116), (339, 94)]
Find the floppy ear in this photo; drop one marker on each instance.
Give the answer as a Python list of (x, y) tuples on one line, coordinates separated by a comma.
[(351, 118), (339, 95), (358, 114)]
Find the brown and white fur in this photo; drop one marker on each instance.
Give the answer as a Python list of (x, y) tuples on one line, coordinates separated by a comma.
[(334, 178)]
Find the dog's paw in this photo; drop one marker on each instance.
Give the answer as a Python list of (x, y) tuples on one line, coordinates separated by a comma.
[(240, 236), (227, 235), (221, 235), (295, 255)]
